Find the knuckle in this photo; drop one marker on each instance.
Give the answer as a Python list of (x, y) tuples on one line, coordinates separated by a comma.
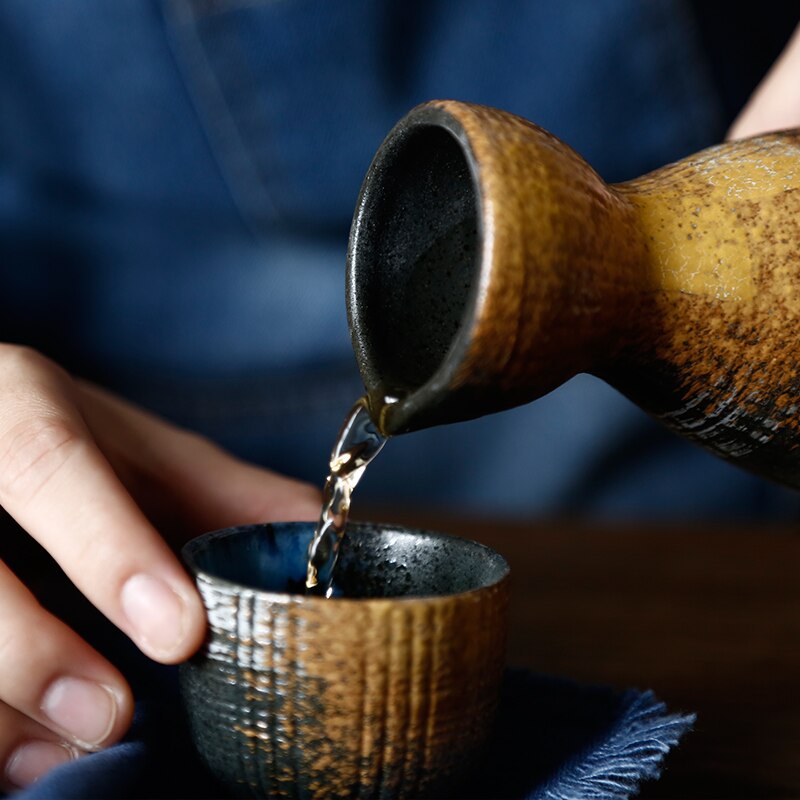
[(21, 359), (96, 557), (10, 644), (34, 451), (20, 650)]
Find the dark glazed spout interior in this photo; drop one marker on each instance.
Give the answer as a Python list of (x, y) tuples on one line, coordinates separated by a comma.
[(413, 267)]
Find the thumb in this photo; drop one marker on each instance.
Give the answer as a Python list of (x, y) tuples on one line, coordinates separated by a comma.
[(775, 104), (184, 482)]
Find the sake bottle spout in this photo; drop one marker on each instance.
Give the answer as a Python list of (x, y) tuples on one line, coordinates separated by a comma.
[(488, 263)]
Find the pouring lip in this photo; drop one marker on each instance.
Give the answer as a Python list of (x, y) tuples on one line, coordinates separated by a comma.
[(417, 409)]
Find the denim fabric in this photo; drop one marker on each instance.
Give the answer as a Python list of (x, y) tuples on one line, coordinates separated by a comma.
[(176, 184)]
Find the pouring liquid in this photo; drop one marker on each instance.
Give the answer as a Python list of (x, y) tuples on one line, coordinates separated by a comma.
[(358, 443)]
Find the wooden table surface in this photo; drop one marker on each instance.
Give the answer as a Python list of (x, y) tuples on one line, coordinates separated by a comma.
[(709, 618)]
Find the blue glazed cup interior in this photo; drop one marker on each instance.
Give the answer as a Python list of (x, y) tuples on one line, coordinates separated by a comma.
[(374, 561)]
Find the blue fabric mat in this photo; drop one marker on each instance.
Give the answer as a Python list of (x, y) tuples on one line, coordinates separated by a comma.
[(555, 740)]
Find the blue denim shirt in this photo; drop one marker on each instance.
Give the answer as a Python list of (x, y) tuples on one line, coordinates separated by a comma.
[(176, 184)]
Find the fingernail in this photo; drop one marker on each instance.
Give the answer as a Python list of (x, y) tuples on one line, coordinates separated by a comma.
[(156, 612), (33, 759), (84, 709)]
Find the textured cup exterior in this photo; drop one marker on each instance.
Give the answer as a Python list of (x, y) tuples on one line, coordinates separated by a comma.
[(302, 697)]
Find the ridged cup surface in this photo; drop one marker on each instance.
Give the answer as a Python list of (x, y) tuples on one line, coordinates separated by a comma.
[(384, 697)]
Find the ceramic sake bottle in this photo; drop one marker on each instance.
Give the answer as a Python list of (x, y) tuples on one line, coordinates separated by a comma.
[(489, 263)]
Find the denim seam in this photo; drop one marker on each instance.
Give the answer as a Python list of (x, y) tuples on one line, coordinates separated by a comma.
[(210, 8), (240, 171)]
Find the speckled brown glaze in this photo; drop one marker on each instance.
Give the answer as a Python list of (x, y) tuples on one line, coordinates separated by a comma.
[(681, 288), (714, 352), (382, 697)]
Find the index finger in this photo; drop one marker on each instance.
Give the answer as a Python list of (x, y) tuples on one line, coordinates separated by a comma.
[(58, 485)]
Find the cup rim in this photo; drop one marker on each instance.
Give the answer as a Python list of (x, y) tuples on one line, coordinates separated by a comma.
[(189, 550)]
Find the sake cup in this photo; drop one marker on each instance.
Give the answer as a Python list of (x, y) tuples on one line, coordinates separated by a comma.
[(386, 690)]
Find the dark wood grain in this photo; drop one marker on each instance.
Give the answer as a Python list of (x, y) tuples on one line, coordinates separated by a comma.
[(709, 618)]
